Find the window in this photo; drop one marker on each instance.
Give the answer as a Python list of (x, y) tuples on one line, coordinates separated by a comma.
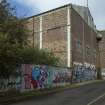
[(78, 46), (95, 54), (87, 50)]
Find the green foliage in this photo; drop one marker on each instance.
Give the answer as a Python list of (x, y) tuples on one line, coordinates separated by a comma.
[(11, 25), (16, 32), (12, 39), (37, 56), (12, 54), (6, 11), (9, 57)]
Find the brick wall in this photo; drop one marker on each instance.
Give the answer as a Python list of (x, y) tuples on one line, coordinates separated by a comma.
[(86, 37), (77, 35), (102, 50), (54, 33)]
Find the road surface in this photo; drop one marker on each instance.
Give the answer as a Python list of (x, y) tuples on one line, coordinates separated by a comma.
[(90, 94)]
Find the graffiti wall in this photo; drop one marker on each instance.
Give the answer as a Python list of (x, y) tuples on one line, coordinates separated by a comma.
[(40, 77), (29, 77), (13, 82), (83, 73)]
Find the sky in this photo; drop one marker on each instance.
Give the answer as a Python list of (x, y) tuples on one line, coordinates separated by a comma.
[(26, 8)]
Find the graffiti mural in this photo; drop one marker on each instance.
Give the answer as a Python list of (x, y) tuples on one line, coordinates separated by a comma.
[(13, 82), (61, 77), (83, 73), (41, 76), (32, 77), (26, 73)]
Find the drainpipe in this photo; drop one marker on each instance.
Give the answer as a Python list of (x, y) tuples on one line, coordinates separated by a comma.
[(40, 46)]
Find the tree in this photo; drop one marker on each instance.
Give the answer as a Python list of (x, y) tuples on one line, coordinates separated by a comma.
[(14, 49), (16, 32), (9, 57), (12, 39), (6, 11), (11, 25)]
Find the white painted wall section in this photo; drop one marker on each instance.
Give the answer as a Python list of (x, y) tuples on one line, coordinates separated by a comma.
[(68, 38), (41, 32)]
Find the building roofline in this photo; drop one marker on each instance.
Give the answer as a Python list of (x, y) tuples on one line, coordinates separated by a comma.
[(84, 20), (49, 11), (70, 4)]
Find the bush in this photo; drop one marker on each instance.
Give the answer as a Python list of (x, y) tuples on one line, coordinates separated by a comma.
[(37, 56)]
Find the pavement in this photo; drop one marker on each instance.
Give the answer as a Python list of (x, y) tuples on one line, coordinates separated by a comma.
[(89, 94)]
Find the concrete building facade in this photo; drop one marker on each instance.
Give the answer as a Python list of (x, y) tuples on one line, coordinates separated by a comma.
[(68, 31)]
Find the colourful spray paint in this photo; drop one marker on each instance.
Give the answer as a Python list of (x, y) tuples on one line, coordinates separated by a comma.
[(82, 73), (40, 77)]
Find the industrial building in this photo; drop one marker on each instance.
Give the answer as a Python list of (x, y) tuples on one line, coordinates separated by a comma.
[(69, 32), (102, 52)]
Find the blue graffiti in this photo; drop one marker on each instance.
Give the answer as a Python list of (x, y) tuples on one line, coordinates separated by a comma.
[(36, 73)]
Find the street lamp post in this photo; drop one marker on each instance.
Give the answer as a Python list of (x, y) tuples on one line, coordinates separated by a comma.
[(98, 38)]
